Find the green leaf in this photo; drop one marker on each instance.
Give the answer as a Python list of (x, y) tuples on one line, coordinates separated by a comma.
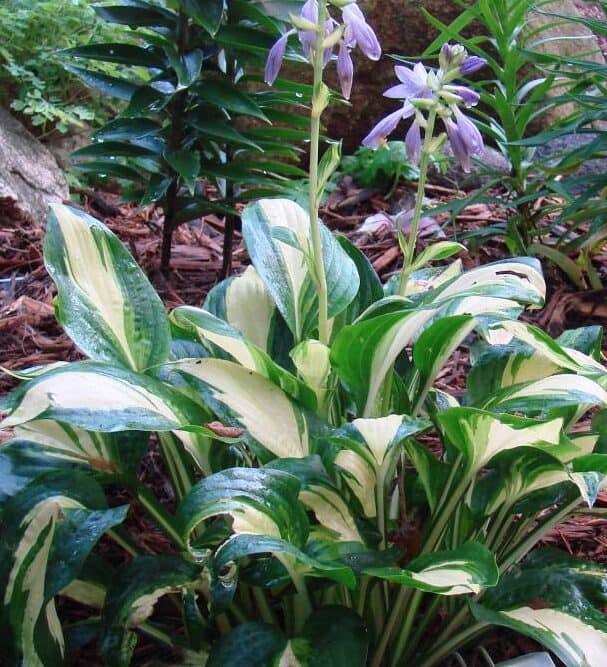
[(130, 600), (139, 131), (137, 13), (337, 637), (123, 54), (284, 269), (468, 569), (260, 501), (206, 13), (110, 149), (108, 85), (327, 165), (227, 95), (437, 251), (104, 301), (186, 164), (253, 644), (222, 132), (109, 168)]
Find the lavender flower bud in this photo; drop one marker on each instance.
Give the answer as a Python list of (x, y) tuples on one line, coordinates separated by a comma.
[(307, 38), (361, 31), (465, 139), (386, 126), (275, 58), (471, 65), (470, 97), (413, 142), (345, 70)]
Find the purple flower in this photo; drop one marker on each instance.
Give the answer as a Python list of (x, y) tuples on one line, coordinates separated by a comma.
[(470, 97), (465, 139), (359, 33), (386, 126), (309, 11), (275, 58), (413, 142), (330, 27), (414, 83), (345, 69), (471, 65)]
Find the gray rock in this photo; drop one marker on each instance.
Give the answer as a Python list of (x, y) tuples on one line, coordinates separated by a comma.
[(30, 177), (488, 166)]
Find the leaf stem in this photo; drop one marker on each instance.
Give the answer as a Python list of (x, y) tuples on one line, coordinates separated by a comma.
[(424, 164), (318, 106)]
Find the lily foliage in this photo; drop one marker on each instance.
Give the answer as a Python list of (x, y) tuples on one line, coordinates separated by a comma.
[(345, 505)]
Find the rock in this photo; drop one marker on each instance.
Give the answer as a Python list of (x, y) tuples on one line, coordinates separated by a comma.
[(402, 29), (30, 178), (455, 177)]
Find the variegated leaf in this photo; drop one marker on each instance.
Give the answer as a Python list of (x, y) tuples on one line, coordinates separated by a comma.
[(557, 601), (259, 501), (235, 346), (47, 534), (104, 300), (245, 398), (245, 303), (469, 569), (480, 435), (277, 233), (99, 397), (130, 600)]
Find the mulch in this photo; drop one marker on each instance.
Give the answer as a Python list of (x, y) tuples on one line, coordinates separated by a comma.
[(29, 334)]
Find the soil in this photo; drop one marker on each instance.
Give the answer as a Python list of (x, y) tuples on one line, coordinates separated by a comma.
[(30, 336)]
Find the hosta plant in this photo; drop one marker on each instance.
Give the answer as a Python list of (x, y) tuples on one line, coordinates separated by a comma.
[(330, 503)]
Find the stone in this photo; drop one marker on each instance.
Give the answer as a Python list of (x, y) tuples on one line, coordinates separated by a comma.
[(485, 168), (30, 178)]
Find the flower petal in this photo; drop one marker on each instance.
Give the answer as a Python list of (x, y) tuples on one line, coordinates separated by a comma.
[(385, 127), (361, 31), (275, 58), (397, 92), (471, 65), (413, 142), (345, 70)]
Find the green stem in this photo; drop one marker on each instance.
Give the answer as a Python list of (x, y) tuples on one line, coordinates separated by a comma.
[(318, 106), (444, 650), (424, 163), (174, 462), (535, 535), (263, 606)]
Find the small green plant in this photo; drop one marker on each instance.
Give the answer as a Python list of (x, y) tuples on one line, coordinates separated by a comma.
[(380, 168), (512, 99), (577, 230), (313, 525), (193, 117), (33, 81)]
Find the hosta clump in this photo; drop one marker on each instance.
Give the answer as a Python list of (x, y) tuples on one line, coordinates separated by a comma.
[(332, 503)]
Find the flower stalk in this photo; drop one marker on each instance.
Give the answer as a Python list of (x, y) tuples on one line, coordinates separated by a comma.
[(319, 103), (424, 164)]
